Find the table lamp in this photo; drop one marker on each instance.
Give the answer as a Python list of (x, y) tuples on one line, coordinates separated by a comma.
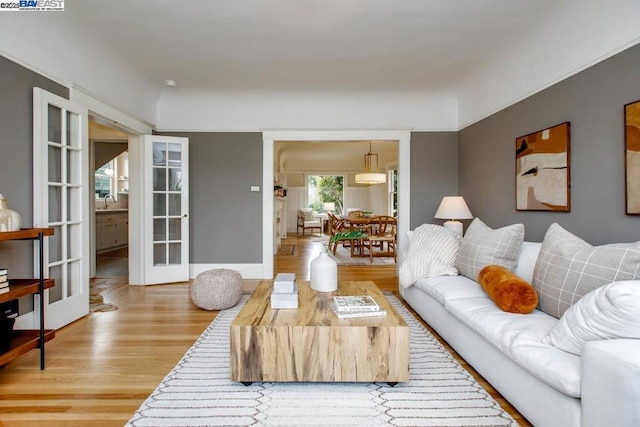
[(329, 207), (453, 208)]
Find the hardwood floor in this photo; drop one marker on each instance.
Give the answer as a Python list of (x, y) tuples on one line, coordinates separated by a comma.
[(101, 368)]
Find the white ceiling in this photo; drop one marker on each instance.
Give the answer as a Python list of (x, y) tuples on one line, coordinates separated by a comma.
[(293, 44), (265, 64), (332, 156)]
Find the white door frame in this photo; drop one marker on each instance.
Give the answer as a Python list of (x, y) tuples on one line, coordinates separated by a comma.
[(123, 121), (404, 175)]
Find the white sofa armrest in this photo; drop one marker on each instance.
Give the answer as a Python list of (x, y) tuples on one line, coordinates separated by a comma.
[(611, 383)]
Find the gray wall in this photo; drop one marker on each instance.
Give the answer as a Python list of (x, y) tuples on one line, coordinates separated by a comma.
[(593, 101), (434, 173), (226, 217), (16, 158)]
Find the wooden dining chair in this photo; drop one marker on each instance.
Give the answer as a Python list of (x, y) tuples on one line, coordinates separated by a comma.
[(336, 225), (381, 231)]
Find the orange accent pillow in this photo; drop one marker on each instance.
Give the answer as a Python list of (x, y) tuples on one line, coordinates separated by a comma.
[(508, 291)]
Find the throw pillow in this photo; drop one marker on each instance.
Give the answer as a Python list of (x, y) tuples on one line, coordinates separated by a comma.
[(432, 252), (569, 268), (610, 311), (484, 246), (307, 214), (508, 291)]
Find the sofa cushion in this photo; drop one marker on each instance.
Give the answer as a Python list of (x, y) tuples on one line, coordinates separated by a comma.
[(432, 252), (568, 268), (610, 311), (519, 336), (527, 257), (484, 246), (510, 292), (447, 288)]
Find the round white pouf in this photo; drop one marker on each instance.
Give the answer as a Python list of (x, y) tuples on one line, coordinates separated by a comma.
[(216, 289)]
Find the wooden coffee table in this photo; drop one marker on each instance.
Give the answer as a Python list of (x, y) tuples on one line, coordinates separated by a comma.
[(311, 344)]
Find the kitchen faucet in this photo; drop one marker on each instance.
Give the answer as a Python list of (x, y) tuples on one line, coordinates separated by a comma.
[(105, 200)]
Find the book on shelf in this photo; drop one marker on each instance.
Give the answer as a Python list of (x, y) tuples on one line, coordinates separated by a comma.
[(4, 279), (3, 271), (357, 313), (4, 290), (353, 303), (4, 285)]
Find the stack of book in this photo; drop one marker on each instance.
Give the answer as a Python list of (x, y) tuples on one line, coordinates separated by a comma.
[(355, 306), (4, 281), (285, 291)]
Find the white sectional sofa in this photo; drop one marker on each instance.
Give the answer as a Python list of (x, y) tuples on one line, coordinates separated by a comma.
[(549, 386)]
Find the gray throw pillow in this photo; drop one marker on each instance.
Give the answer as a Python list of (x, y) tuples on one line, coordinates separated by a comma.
[(482, 246), (569, 268)]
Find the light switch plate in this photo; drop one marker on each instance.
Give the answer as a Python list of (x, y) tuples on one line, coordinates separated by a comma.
[(255, 188)]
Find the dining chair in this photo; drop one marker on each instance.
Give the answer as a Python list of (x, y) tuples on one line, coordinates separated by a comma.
[(381, 230), (336, 225)]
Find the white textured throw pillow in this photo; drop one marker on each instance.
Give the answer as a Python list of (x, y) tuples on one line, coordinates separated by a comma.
[(610, 311), (484, 246), (432, 252)]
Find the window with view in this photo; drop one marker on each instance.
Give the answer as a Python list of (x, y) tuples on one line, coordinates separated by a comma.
[(325, 189), (393, 192)]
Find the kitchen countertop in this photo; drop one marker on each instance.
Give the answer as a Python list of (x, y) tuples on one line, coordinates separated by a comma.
[(115, 210)]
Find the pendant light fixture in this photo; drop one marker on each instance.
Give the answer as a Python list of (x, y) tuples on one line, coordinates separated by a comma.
[(371, 174)]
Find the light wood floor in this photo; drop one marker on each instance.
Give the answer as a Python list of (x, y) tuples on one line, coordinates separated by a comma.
[(102, 367)]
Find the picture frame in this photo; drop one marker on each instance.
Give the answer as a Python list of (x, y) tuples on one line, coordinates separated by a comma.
[(543, 174), (632, 157)]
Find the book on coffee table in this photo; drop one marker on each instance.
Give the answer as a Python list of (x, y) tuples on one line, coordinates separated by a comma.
[(356, 313), (355, 303)]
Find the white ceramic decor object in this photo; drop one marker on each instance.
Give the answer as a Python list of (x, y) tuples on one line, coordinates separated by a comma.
[(9, 220), (324, 273)]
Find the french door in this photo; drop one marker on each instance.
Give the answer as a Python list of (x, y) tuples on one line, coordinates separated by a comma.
[(60, 179), (166, 209)]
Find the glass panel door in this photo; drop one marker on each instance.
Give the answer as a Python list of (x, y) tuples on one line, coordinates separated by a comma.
[(168, 165), (60, 179)]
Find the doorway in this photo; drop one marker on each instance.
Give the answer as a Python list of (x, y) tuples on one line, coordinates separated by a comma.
[(271, 170), (109, 174)]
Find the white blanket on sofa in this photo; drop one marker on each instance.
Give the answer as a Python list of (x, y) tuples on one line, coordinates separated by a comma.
[(432, 252)]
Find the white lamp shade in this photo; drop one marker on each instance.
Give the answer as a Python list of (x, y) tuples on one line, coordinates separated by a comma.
[(371, 178), (453, 207), (329, 206)]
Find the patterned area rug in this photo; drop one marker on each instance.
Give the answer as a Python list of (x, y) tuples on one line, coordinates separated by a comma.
[(287, 250), (198, 391)]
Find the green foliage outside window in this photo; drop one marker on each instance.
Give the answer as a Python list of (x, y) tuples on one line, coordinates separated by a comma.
[(325, 189)]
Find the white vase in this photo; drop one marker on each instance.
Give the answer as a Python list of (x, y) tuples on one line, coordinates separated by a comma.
[(9, 220), (324, 273)]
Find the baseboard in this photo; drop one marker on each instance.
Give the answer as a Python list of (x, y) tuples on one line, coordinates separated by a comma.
[(247, 271)]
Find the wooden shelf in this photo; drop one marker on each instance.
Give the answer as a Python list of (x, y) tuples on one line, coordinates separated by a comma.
[(22, 287), (25, 234), (23, 342)]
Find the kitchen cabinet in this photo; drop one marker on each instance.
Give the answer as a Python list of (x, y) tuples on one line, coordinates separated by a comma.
[(112, 230)]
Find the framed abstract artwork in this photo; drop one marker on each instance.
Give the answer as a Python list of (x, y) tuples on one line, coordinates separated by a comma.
[(632, 157), (542, 170)]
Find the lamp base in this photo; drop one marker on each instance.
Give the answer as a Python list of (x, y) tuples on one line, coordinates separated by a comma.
[(455, 226)]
